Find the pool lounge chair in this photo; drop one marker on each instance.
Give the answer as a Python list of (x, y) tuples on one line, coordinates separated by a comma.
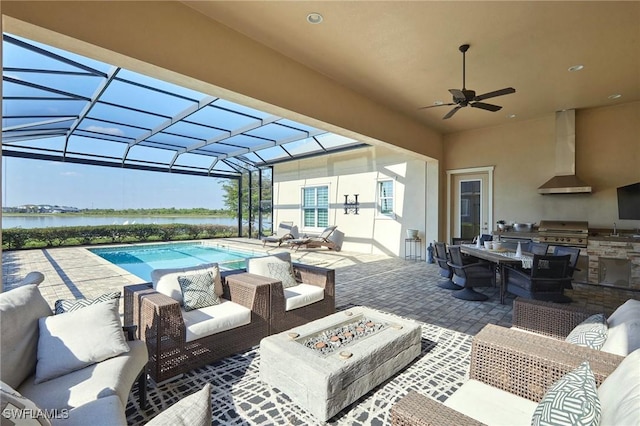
[(322, 240), (286, 231)]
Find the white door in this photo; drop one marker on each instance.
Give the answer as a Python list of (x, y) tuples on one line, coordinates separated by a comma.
[(470, 206)]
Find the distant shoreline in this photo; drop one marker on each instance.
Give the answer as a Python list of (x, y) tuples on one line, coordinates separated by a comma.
[(141, 214)]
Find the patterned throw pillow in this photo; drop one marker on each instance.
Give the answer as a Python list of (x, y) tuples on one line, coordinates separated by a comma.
[(591, 332), (70, 305), (572, 400), (198, 291), (284, 272)]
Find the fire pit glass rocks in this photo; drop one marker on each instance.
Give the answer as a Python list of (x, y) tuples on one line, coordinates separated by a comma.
[(330, 340)]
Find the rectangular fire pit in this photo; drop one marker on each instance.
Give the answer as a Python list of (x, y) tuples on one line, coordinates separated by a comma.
[(327, 364)]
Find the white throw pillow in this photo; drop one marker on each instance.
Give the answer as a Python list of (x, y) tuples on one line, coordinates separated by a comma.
[(192, 410), (18, 410), (591, 333), (282, 271), (74, 340)]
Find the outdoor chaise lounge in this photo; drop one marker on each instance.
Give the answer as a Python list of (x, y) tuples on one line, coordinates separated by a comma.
[(323, 240), (286, 231), (179, 339)]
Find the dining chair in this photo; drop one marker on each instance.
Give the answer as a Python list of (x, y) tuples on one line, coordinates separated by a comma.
[(574, 253), (546, 280), (470, 275), (445, 271), (538, 248)]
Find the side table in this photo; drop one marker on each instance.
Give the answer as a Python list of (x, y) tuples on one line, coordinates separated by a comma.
[(413, 249)]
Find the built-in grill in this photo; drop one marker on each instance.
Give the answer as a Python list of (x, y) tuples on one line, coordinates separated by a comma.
[(563, 233)]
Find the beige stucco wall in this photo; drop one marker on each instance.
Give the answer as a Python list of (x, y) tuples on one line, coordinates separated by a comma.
[(357, 172), (607, 156)]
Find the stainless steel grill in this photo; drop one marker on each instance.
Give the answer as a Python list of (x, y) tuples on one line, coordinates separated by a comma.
[(564, 233)]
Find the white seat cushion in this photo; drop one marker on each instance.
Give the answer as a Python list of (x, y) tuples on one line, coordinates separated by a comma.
[(624, 329), (490, 405), (165, 281), (620, 393), (302, 295), (214, 319)]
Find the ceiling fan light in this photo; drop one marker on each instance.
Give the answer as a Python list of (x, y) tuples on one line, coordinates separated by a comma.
[(314, 18), (615, 96), (511, 116), (575, 68), (438, 103)]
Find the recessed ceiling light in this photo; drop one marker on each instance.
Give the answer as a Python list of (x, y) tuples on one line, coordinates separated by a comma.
[(576, 68), (314, 18), (511, 116), (615, 96), (438, 103)]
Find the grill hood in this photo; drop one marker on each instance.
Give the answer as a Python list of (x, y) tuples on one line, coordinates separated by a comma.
[(565, 181)]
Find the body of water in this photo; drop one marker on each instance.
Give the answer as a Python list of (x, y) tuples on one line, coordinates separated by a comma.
[(49, 221)]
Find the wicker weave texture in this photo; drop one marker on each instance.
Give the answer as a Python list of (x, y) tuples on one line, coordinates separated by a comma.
[(415, 409), (548, 318), (162, 328)]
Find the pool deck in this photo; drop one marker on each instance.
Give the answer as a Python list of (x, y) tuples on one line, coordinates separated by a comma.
[(76, 272)]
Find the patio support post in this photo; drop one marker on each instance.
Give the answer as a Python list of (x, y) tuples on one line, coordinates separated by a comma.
[(259, 203), (240, 206), (250, 204)]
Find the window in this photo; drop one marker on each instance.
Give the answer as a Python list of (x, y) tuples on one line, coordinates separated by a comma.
[(315, 207), (385, 197)]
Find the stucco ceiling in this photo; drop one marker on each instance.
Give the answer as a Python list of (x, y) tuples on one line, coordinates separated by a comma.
[(405, 54)]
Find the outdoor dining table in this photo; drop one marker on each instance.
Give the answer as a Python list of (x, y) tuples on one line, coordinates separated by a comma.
[(501, 258)]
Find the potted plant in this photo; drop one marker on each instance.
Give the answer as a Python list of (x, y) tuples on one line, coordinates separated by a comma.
[(501, 224)]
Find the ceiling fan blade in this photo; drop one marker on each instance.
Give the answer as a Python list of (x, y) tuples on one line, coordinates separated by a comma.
[(458, 95), (433, 106), (450, 113), (488, 107), (505, 91)]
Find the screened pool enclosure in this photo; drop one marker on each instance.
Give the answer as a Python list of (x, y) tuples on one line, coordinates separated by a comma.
[(59, 106)]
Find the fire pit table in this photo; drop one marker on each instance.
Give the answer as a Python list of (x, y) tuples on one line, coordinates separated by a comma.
[(327, 364)]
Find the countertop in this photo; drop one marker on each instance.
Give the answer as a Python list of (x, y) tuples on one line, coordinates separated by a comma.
[(624, 235)]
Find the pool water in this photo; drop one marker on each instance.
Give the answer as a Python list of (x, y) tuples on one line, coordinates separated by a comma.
[(141, 260)]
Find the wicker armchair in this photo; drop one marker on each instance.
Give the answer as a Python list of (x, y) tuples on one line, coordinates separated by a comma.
[(281, 318), (161, 325), (548, 318), (521, 364)]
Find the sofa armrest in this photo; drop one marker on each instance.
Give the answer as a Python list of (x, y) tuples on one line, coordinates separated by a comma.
[(161, 322), (418, 410), (316, 275), (526, 364), (548, 318), (130, 331)]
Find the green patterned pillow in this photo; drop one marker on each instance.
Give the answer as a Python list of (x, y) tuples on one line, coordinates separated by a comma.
[(572, 400), (591, 332), (198, 291), (282, 271)]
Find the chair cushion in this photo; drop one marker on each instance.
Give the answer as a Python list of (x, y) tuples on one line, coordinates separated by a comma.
[(198, 290), (302, 295), (620, 393), (114, 376), (572, 400), (107, 410), (624, 329), (12, 402), (20, 310), (192, 410), (214, 319), (282, 271), (70, 305), (491, 406), (591, 332), (74, 340), (259, 265), (165, 281)]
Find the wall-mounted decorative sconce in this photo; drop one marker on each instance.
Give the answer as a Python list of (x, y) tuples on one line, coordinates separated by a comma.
[(351, 204)]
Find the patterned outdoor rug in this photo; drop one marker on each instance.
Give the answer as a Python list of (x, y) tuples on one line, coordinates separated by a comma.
[(240, 398)]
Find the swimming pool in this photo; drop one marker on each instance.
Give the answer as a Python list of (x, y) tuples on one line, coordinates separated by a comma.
[(141, 260)]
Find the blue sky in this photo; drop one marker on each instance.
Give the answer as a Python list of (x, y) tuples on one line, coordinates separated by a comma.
[(26, 181)]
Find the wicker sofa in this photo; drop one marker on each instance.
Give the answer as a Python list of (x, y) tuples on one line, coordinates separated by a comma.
[(510, 373), (312, 296), (173, 350)]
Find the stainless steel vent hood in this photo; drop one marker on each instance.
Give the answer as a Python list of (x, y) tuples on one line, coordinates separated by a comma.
[(565, 181)]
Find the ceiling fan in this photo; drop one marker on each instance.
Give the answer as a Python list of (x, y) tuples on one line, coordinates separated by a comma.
[(463, 98)]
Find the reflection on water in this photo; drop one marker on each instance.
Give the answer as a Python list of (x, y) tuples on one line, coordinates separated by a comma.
[(49, 221)]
